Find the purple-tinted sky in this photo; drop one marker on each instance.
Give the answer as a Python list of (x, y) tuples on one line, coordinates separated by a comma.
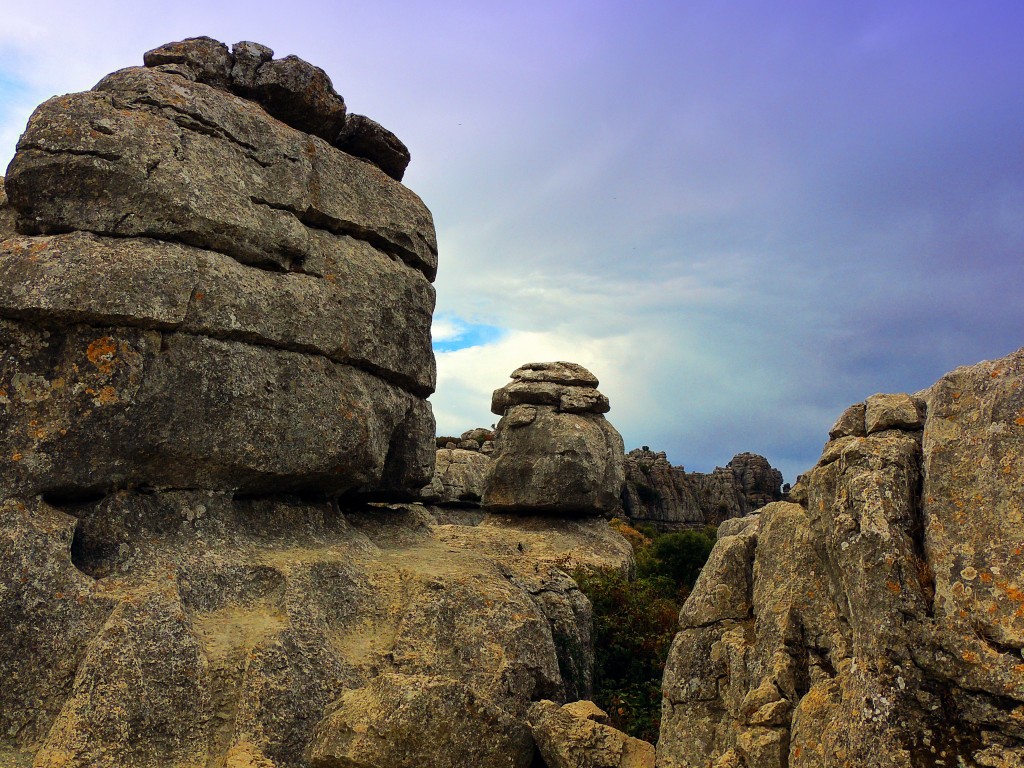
[(742, 216)]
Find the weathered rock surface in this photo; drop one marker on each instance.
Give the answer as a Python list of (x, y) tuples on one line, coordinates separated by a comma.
[(193, 628), (290, 89), (459, 477), (147, 153), (576, 736), (6, 214), (659, 493), (405, 721), (368, 139), (878, 624), (554, 451), (185, 259)]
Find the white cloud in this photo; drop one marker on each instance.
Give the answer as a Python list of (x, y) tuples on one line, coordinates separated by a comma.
[(446, 328)]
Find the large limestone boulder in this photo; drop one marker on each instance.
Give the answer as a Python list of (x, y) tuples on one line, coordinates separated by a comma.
[(554, 451), (879, 622), (194, 248), (577, 735)]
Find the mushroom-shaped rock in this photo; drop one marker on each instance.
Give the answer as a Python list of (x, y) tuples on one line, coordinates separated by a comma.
[(554, 450)]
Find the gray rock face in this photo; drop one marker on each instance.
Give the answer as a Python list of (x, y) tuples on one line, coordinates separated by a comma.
[(459, 477), (185, 260), (660, 493), (554, 450), (184, 161), (879, 623)]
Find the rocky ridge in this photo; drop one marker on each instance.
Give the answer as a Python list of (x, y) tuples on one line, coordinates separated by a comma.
[(879, 621), (659, 493)]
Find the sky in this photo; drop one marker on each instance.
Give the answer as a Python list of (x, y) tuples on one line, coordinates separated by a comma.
[(741, 215)]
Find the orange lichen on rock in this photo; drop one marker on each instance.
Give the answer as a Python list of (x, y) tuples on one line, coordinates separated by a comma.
[(101, 353)]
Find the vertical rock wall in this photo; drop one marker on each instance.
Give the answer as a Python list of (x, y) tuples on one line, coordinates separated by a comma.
[(879, 621)]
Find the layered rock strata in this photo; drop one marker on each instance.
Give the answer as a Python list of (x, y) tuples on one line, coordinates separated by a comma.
[(659, 493), (879, 622), (196, 246), (554, 451)]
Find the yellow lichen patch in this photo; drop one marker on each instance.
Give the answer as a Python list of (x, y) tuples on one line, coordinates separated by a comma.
[(970, 657), (101, 353), (16, 456), (893, 587)]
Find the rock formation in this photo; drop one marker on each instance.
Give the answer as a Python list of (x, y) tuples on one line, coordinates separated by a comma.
[(554, 451), (879, 622), (577, 735), (215, 324), (659, 493), (184, 259), (459, 477)]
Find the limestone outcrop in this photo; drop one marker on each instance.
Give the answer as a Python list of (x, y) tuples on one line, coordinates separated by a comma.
[(554, 451), (657, 492), (215, 308), (878, 622), (459, 477), (190, 627), (184, 259)]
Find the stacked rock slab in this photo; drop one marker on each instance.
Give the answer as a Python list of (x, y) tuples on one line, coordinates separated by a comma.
[(878, 622), (554, 450), (207, 289), (657, 492)]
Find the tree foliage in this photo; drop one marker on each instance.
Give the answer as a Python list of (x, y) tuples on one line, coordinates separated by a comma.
[(635, 621)]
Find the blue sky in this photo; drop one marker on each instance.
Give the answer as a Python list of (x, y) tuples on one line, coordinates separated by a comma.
[(742, 216)]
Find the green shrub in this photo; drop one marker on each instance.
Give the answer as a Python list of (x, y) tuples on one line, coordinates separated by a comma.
[(636, 620)]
